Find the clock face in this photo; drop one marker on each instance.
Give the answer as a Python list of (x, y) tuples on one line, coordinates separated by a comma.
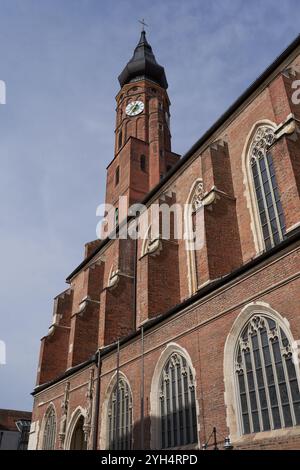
[(134, 108)]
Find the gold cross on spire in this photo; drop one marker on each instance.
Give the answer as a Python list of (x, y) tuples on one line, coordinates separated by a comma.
[(143, 24)]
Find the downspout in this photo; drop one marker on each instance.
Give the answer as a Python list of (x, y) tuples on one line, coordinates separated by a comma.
[(135, 283), (142, 390), (97, 401), (118, 396)]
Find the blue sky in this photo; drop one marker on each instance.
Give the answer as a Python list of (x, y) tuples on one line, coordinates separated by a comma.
[(60, 60)]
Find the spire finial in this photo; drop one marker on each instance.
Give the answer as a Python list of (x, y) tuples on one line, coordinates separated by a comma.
[(143, 24), (142, 64)]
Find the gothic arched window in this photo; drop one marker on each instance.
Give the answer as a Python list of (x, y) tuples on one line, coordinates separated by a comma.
[(49, 430), (268, 389), (78, 441), (177, 403), (265, 186), (120, 139), (194, 232), (120, 417), (117, 176)]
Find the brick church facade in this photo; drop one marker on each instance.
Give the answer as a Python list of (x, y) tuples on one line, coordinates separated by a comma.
[(154, 344)]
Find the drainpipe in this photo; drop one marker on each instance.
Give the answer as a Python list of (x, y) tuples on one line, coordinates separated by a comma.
[(118, 396), (97, 401), (135, 283), (142, 389)]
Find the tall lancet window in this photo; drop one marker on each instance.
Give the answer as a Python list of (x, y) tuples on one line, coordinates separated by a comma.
[(120, 417), (266, 190), (177, 404), (194, 233), (49, 430), (267, 381)]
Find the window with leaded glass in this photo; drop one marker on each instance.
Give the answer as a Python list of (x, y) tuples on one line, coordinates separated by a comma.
[(267, 381), (120, 417), (49, 430), (178, 417), (266, 189)]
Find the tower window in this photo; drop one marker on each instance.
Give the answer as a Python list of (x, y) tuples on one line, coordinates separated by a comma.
[(120, 139), (143, 163), (117, 176), (266, 190)]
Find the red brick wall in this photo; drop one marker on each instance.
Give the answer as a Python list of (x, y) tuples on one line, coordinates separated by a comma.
[(54, 347), (206, 327), (83, 340), (117, 306), (285, 154)]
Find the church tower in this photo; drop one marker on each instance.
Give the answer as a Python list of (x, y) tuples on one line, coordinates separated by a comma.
[(142, 154)]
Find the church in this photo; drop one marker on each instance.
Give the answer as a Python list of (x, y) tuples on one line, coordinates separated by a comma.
[(188, 341)]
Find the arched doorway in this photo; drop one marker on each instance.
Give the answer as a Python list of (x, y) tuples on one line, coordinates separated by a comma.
[(78, 441)]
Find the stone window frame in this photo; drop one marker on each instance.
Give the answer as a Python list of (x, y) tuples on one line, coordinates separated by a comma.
[(155, 429), (50, 408), (104, 430), (231, 394), (193, 203), (75, 416), (249, 190)]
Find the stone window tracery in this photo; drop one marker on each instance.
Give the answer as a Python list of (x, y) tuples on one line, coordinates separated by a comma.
[(49, 430), (120, 417), (197, 197), (266, 189), (177, 403), (268, 388), (193, 231)]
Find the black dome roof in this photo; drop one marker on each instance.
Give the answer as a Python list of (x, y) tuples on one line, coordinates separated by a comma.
[(143, 65)]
